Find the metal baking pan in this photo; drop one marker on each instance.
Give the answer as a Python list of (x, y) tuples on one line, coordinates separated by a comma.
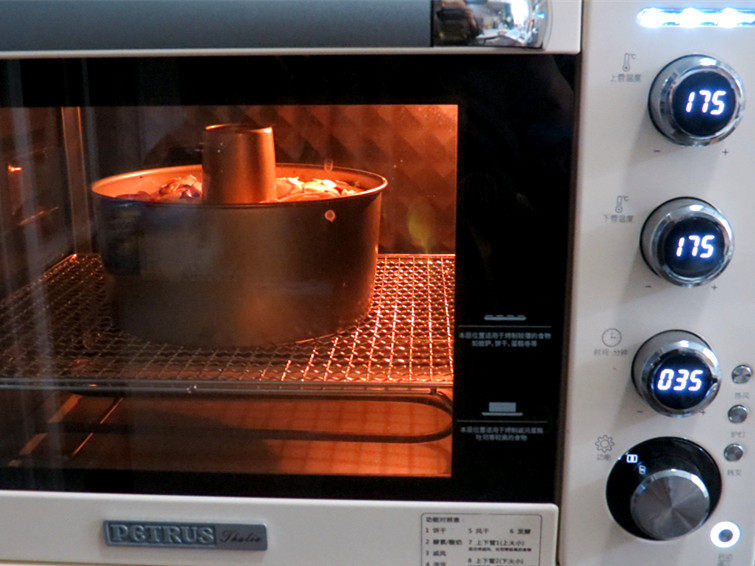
[(238, 275)]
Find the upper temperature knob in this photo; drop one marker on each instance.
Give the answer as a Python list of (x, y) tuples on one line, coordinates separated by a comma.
[(696, 100), (687, 241), (663, 488), (676, 373)]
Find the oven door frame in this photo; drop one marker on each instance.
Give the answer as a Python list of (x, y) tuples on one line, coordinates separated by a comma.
[(513, 215)]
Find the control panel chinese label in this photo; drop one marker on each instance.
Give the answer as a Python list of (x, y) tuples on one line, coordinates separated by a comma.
[(480, 540)]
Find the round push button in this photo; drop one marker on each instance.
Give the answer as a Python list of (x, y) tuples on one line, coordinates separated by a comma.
[(738, 414), (734, 452), (741, 374)]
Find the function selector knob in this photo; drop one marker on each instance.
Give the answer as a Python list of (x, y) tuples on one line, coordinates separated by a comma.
[(696, 100), (663, 488), (687, 241), (676, 373)]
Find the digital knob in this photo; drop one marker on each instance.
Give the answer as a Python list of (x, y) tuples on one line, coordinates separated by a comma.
[(696, 100), (687, 241), (663, 488), (676, 373)]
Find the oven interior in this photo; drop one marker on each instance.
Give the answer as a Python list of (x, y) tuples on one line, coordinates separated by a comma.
[(77, 391)]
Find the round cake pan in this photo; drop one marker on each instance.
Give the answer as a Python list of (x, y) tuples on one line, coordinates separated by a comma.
[(252, 275)]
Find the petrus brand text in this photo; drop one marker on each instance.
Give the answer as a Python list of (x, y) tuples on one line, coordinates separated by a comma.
[(186, 535)]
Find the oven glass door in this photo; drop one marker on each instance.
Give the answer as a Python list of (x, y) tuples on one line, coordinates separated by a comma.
[(331, 276)]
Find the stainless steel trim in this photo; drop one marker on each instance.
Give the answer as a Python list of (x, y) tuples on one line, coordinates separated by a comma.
[(663, 219), (675, 511), (501, 23), (665, 84), (651, 352), (282, 52)]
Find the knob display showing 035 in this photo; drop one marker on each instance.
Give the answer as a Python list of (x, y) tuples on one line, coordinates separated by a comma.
[(676, 373), (663, 488)]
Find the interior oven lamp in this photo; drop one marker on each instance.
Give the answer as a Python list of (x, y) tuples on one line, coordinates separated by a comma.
[(696, 17)]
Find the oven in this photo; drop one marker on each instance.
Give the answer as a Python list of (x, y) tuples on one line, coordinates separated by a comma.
[(389, 283)]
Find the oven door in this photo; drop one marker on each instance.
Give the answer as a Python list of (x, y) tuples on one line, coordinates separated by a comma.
[(387, 324)]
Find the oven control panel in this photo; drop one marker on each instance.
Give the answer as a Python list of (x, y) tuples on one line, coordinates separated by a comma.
[(659, 444)]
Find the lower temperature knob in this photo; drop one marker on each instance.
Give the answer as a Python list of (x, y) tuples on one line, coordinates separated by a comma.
[(663, 488), (687, 241)]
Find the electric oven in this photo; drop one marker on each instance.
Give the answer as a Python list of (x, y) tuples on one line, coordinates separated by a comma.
[(442, 283)]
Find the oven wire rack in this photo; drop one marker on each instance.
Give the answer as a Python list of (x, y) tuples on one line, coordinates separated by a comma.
[(58, 333)]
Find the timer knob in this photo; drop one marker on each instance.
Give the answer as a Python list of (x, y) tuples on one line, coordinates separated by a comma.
[(696, 100), (687, 241), (663, 488), (676, 373)]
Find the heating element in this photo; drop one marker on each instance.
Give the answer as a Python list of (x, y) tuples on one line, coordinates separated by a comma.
[(58, 333)]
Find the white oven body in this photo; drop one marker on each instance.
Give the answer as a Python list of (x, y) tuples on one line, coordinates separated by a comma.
[(67, 528), (620, 154)]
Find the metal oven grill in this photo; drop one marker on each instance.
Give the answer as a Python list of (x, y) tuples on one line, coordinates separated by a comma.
[(58, 333)]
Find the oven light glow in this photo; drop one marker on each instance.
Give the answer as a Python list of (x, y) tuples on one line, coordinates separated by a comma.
[(696, 18), (692, 18), (652, 18)]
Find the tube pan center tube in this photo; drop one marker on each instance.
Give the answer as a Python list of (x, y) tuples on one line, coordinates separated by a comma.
[(238, 164)]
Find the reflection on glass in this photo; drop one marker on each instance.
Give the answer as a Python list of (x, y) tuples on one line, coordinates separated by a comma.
[(307, 335), (501, 23)]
